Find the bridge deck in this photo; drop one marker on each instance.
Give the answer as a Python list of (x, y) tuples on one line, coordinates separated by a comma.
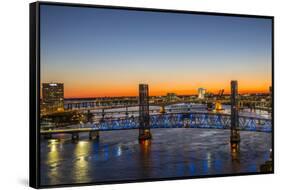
[(171, 120), (71, 130)]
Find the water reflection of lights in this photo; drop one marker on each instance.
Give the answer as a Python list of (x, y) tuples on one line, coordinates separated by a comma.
[(53, 141), (53, 157), (191, 168), (218, 165), (81, 165), (53, 148), (119, 151), (235, 149), (145, 146), (145, 143), (185, 157), (82, 143), (106, 152), (209, 160), (82, 147), (53, 145)]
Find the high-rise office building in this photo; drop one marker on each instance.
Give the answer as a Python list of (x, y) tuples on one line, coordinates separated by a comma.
[(53, 97), (201, 93)]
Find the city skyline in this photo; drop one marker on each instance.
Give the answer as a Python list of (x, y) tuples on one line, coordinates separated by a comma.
[(95, 55), (193, 92)]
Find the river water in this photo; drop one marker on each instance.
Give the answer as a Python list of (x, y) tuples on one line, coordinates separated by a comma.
[(118, 155)]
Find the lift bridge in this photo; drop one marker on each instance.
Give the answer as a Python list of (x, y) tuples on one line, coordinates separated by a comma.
[(203, 120), (146, 121), (188, 120)]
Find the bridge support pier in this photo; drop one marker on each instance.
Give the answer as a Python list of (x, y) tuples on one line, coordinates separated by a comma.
[(75, 136), (144, 134), (144, 129), (94, 135), (235, 151), (127, 113)]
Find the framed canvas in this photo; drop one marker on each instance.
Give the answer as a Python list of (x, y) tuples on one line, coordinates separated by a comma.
[(121, 94)]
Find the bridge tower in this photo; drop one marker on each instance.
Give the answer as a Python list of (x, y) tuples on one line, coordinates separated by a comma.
[(103, 114), (127, 113), (234, 134), (94, 135), (89, 116), (75, 136), (144, 129)]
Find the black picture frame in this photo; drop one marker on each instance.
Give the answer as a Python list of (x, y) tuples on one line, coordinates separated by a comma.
[(34, 93)]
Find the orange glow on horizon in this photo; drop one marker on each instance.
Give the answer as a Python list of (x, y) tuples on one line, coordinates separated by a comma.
[(113, 88), (86, 93)]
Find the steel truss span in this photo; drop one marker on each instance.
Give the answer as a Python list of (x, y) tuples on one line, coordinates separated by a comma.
[(176, 120)]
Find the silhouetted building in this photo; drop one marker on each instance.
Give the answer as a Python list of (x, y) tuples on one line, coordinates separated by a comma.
[(171, 96), (53, 97)]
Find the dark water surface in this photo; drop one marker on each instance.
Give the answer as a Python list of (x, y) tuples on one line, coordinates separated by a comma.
[(172, 153)]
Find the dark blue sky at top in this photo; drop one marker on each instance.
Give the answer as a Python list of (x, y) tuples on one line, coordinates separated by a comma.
[(97, 38)]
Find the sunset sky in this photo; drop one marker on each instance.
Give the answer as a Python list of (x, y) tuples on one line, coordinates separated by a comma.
[(101, 52)]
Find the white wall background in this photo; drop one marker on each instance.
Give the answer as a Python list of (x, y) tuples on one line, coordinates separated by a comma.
[(14, 75)]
